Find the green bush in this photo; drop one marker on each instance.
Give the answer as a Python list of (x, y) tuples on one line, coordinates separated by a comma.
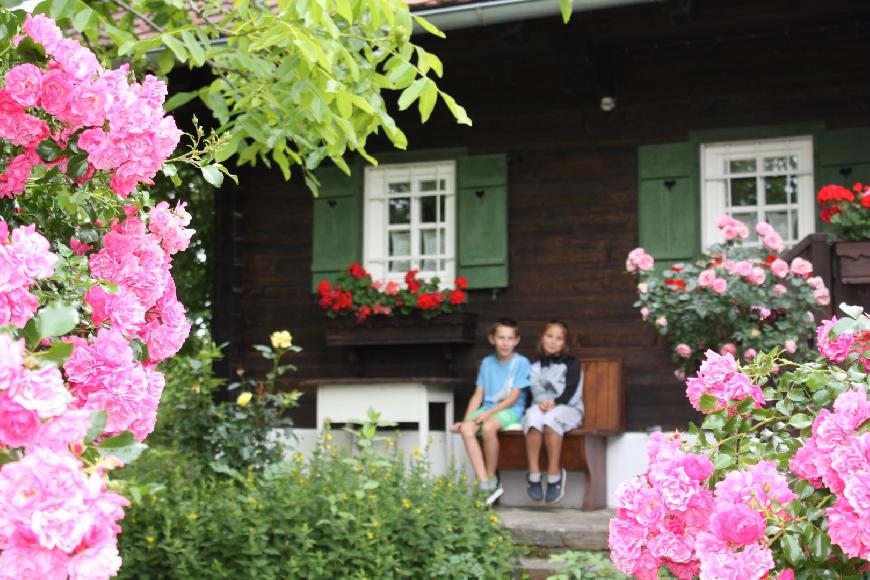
[(586, 566), (371, 515)]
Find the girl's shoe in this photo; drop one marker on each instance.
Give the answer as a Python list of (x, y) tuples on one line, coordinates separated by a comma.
[(534, 490), (556, 490), (495, 494)]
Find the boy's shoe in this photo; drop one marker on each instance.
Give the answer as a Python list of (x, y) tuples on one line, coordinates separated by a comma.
[(556, 490), (534, 490), (495, 494)]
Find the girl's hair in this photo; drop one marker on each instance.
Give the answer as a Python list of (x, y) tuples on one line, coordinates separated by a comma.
[(565, 347)]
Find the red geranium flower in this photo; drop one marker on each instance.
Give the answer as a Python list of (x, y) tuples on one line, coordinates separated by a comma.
[(357, 271), (457, 296), (676, 268), (461, 282), (675, 284), (324, 288)]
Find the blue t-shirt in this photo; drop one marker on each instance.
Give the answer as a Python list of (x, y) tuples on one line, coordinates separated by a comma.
[(497, 378)]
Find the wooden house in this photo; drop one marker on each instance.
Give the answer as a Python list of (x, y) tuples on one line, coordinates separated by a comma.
[(634, 124)]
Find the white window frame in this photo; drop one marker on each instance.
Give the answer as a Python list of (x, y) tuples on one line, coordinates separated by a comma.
[(715, 183), (376, 225)]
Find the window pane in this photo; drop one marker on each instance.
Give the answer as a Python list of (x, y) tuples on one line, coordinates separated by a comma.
[(399, 187), (750, 219), (400, 210), (743, 191), (775, 190), (741, 166), (794, 225), (442, 184), (781, 164), (791, 189), (429, 209), (428, 265), (400, 243), (779, 221), (428, 242), (399, 265), (442, 214), (428, 185)]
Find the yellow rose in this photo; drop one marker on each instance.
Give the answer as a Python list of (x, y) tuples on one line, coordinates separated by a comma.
[(281, 339), (244, 399)]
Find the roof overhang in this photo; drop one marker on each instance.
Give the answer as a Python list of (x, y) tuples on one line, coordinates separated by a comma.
[(489, 12)]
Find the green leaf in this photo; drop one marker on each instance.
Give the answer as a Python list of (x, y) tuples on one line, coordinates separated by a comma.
[(58, 352), (84, 19), (427, 100), (123, 446), (713, 422), (213, 175), (344, 10), (197, 54), (140, 349), (77, 166), (429, 27), (61, 8), (567, 8), (56, 319), (458, 110), (723, 460), (820, 547), (179, 99), (800, 421), (792, 549), (49, 150), (708, 402), (98, 423), (410, 94), (175, 46)]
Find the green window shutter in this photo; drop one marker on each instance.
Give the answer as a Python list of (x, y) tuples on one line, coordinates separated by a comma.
[(337, 223), (668, 201), (842, 158), (482, 220)]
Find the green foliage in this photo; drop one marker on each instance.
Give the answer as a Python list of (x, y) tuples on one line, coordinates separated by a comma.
[(586, 566), (367, 515), (225, 435), (294, 82)]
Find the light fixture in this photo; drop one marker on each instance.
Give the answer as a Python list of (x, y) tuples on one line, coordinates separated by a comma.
[(607, 104)]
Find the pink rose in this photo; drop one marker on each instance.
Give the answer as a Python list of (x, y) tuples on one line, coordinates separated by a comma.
[(683, 350), (644, 312), (773, 241), (737, 524), (815, 282), (17, 424), (790, 346), (744, 268), (779, 268), (646, 263), (757, 276), (728, 348), (779, 289), (822, 296), (801, 267), (720, 285), (706, 278), (662, 321), (764, 229), (749, 354), (23, 82)]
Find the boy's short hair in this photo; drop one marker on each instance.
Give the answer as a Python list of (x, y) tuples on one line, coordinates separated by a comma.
[(504, 321)]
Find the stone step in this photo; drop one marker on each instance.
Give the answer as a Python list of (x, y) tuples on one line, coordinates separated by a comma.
[(548, 530), (539, 568)]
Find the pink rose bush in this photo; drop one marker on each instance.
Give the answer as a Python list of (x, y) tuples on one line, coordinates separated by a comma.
[(99, 121), (751, 297), (775, 483), (82, 326)]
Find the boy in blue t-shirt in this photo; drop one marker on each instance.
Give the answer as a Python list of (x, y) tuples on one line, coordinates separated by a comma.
[(498, 401)]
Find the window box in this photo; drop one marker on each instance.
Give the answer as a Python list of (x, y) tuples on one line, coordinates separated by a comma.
[(853, 261), (453, 328)]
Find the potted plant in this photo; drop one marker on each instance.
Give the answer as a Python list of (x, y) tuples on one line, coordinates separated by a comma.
[(848, 212), (734, 299), (417, 311)]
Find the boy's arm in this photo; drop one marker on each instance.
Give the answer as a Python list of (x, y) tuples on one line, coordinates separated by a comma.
[(475, 402), (507, 403)]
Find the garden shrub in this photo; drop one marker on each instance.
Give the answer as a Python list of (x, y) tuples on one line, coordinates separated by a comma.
[(370, 515)]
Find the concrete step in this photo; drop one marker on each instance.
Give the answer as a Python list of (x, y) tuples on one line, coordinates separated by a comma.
[(548, 530)]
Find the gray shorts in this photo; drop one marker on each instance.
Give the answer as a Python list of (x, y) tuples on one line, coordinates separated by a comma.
[(560, 419)]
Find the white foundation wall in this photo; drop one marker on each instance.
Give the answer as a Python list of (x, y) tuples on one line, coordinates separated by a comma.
[(626, 457)]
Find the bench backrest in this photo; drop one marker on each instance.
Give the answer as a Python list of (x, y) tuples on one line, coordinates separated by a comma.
[(603, 396)]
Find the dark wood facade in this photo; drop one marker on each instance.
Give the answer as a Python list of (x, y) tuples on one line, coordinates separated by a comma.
[(533, 90)]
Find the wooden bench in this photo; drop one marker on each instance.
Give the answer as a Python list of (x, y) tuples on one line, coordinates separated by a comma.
[(583, 449)]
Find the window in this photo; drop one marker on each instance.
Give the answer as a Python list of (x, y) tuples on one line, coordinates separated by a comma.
[(409, 220), (767, 180)]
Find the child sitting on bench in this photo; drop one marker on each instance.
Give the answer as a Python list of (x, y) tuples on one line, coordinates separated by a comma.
[(557, 407)]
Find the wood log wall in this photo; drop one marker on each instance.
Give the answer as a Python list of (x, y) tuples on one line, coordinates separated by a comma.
[(533, 90)]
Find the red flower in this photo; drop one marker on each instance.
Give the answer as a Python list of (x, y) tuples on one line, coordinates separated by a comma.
[(357, 271), (827, 213), (324, 288), (344, 301), (457, 296), (426, 301), (771, 258), (676, 268), (675, 284), (834, 193), (411, 281), (865, 200), (461, 282), (363, 313), (858, 187)]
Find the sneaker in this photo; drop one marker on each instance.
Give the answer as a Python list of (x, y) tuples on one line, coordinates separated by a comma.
[(556, 490), (495, 494), (534, 490)]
